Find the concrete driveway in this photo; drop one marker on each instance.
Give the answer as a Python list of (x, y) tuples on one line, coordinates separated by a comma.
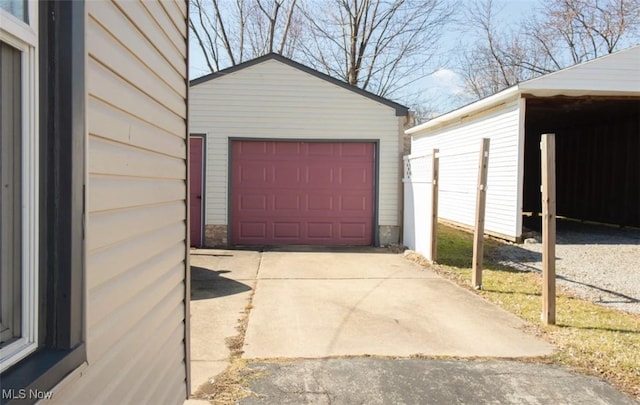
[(340, 303), (319, 304), (322, 322), (222, 282)]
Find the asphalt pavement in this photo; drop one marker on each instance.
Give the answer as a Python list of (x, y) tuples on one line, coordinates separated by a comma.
[(371, 381)]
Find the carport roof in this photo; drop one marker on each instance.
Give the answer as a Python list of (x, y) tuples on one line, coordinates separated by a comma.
[(400, 109), (616, 74)]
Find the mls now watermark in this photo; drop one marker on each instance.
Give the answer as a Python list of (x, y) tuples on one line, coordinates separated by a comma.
[(26, 394)]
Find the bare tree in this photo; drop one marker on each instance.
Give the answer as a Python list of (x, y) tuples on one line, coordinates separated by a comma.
[(500, 57), (230, 32), (377, 45), (382, 46), (563, 33), (484, 66), (573, 31)]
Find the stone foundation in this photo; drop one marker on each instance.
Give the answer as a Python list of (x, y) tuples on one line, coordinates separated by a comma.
[(388, 235), (215, 236)]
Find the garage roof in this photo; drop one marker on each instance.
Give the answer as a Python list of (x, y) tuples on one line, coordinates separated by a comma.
[(400, 109), (616, 74)]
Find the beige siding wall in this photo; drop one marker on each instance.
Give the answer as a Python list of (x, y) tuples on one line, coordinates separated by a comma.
[(274, 100), (136, 228), (459, 144)]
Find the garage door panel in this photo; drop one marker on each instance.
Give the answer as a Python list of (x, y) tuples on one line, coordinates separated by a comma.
[(302, 193), (250, 229), (354, 150), (256, 202), (353, 203), (286, 230), (354, 177), (353, 231), (254, 149), (320, 230), (253, 173), (288, 149), (287, 174), (287, 202), (320, 177), (320, 202), (320, 149)]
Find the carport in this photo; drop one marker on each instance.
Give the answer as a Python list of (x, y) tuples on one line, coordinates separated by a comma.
[(594, 110)]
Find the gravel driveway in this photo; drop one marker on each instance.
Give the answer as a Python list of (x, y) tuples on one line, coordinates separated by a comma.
[(598, 263)]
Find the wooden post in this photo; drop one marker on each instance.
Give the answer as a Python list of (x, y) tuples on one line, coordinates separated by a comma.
[(481, 200), (434, 205), (548, 159)]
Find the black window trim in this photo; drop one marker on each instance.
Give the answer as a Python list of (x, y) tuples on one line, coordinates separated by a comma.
[(62, 107)]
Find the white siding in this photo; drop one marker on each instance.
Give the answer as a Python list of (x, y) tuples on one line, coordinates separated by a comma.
[(274, 100), (459, 144), (618, 73), (136, 195)]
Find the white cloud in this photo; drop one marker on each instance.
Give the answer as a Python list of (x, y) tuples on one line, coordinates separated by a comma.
[(445, 74), (447, 81)]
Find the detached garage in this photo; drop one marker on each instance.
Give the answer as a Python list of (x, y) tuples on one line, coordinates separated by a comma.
[(291, 156), (594, 110)]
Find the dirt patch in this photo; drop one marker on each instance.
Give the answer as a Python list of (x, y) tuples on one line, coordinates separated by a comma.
[(230, 386)]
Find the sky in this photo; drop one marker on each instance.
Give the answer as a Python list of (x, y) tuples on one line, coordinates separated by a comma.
[(443, 86)]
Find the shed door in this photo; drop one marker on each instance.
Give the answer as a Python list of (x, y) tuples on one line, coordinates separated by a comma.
[(306, 193)]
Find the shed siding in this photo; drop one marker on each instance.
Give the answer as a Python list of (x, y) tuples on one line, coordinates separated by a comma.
[(276, 101), (613, 73), (136, 196), (458, 174)]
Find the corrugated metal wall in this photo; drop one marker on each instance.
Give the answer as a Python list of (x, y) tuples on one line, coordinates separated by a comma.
[(136, 231)]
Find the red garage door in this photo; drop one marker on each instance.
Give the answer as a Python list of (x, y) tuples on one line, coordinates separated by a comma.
[(195, 189), (305, 193)]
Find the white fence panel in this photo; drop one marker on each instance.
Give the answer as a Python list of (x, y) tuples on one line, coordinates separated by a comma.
[(418, 203), (458, 184)]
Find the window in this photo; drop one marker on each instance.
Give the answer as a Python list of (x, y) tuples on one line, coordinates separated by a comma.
[(42, 190), (10, 264), (17, 8), (19, 183)]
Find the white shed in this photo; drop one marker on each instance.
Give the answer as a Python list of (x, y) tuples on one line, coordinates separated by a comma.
[(293, 156), (594, 110)]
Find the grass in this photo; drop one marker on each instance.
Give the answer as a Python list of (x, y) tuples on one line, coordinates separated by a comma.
[(589, 338)]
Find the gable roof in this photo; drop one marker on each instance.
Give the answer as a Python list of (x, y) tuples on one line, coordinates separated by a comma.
[(616, 74), (400, 109), (611, 73)]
